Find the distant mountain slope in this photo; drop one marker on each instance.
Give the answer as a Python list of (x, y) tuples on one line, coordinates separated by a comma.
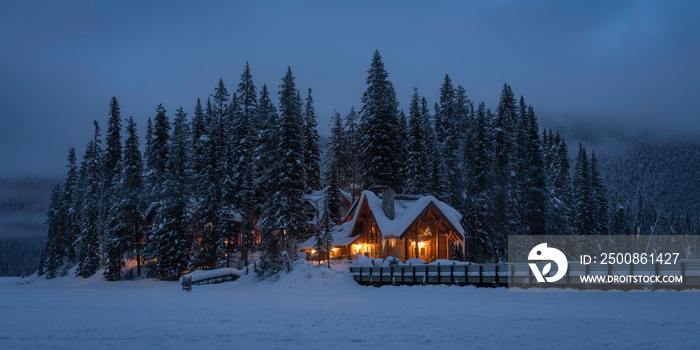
[(664, 170), (23, 205)]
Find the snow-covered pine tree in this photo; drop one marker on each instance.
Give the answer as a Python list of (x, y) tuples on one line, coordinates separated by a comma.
[(379, 126), (231, 179), (268, 171), (69, 210), (51, 255), (403, 141), (599, 199), (284, 221), (444, 109), (156, 162), (198, 133), (113, 150), (265, 161), (350, 169), (337, 146), (464, 110), (246, 152), (90, 185), (506, 186), (198, 142), (535, 184), (481, 246), (559, 220), (449, 136), (149, 140), (209, 189), (331, 210), (331, 200), (158, 151), (438, 185), (583, 211), (288, 198), (170, 238), (312, 152), (418, 165), (331, 213), (125, 223)]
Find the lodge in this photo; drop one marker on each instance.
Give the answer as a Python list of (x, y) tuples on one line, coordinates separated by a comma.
[(401, 226)]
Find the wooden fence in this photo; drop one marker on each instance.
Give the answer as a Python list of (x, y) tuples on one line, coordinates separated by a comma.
[(520, 275)]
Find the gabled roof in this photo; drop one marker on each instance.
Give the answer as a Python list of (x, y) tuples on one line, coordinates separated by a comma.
[(406, 212)]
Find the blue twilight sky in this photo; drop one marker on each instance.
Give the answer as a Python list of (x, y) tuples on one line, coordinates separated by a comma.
[(632, 63)]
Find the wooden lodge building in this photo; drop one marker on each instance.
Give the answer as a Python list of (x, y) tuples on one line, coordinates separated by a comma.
[(399, 226)]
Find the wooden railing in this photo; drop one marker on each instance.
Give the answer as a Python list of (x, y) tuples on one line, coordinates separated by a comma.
[(486, 274), (520, 275)]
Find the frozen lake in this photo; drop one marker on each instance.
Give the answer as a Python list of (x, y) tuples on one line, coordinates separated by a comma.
[(315, 308)]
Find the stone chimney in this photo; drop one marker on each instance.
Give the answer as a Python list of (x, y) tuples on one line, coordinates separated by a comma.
[(388, 203)]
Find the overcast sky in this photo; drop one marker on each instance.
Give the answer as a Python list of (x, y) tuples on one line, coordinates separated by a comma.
[(634, 63)]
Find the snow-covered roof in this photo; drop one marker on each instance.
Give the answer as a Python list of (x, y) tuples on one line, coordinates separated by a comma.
[(405, 213)]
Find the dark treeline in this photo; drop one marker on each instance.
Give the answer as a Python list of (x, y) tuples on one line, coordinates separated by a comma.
[(654, 187), (231, 178), (19, 256)]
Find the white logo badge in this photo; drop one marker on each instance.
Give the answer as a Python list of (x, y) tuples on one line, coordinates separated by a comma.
[(542, 252)]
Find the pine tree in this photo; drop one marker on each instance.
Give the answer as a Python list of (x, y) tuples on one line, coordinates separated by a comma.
[(171, 239), (418, 165), (235, 150), (583, 222), (312, 152), (125, 224), (379, 127), (69, 210), (449, 136), (599, 199), (246, 152), (534, 185), (284, 219), (559, 181), (350, 170), (438, 184), (330, 216), (445, 110), (481, 246), (158, 150), (113, 151), (149, 139), (51, 255), (331, 201), (265, 163), (91, 183), (506, 187), (206, 251), (199, 132)]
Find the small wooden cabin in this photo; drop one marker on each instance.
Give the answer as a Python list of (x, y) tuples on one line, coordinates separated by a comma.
[(399, 226)]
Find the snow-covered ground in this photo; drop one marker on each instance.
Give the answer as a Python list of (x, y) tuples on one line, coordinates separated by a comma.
[(317, 308)]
